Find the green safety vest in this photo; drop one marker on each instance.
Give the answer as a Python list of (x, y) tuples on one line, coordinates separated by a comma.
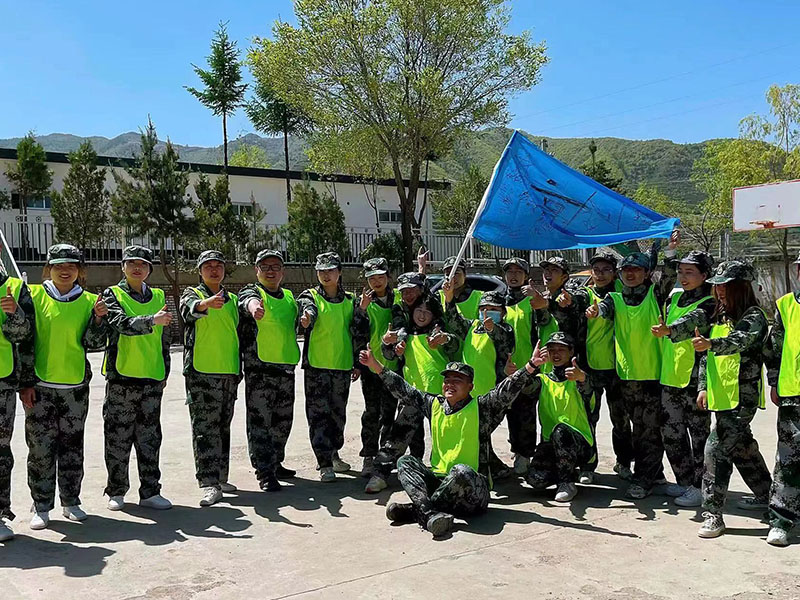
[(59, 355), (379, 320), (468, 308), (677, 360), (561, 402), (330, 345), (480, 354), (6, 348), (423, 366), (216, 342), (789, 375), (722, 375), (545, 331), (599, 339), (455, 438), (638, 351), (277, 334), (140, 356), (520, 317)]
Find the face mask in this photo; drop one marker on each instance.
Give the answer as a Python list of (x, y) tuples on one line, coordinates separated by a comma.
[(494, 315)]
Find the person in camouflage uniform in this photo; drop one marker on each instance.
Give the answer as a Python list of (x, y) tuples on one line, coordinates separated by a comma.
[(641, 393), (329, 360), (212, 372), (136, 374), (269, 310), (66, 320), (739, 332), (460, 478), (685, 427), (466, 298), (783, 373), (16, 312)]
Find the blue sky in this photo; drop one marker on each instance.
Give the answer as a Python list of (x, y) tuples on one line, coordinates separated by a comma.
[(685, 71)]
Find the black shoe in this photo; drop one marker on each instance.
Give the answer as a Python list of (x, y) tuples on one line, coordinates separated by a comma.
[(270, 484), (439, 524), (401, 513), (283, 473)]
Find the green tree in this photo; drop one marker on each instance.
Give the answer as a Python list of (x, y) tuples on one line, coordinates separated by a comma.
[(414, 74), (82, 210), (388, 246), (29, 175), (223, 90), (316, 224), (151, 200), (454, 209), (599, 171), (249, 155)]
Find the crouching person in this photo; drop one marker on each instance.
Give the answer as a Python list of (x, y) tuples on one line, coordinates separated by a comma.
[(564, 395), (459, 480)]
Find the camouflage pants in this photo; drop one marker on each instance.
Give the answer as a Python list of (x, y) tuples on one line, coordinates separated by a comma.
[(54, 434), (378, 415), (684, 430), (784, 502), (522, 424), (211, 401), (643, 403), (407, 433), (327, 392), (8, 404), (269, 398), (462, 492), (132, 419), (557, 460), (730, 443), (621, 430)]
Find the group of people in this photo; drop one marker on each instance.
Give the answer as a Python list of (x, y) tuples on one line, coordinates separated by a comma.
[(664, 357)]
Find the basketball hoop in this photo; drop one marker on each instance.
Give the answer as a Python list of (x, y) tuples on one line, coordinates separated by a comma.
[(764, 224)]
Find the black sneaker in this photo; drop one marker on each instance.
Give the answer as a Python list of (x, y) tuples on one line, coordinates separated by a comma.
[(439, 524), (401, 513), (270, 484), (283, 473)]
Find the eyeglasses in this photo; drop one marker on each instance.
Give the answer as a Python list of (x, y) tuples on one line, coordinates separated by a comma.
[(268, 268), (603, 271)]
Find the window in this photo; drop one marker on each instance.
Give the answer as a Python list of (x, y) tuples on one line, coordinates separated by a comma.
[(390, 216), (41, 202), (243, 210)]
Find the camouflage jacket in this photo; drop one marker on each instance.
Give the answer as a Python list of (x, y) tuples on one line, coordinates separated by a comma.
[(450, 347), (774, 351), (18, 329), (633, 296), (585, 388), (571, 319)]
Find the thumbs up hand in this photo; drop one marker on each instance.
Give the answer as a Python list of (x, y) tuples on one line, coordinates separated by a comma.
[(660, 330), (700, 343), (305, 319), (510, 368), (256, 309), (435, 339), (564, 299), (215, 301), (8, 304), (575, 373), (100, 309), (593, 311), (538, 302), (400, 348), (162, 317)]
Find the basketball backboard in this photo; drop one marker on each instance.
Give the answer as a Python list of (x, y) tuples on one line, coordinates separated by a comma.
[(767, 206)]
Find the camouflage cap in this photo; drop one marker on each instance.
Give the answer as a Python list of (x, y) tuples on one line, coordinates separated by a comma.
[(556, 261), (63, 253), (451, 260), (520, 262), (376, 266), (732, 270), (460, 368), (609, 257), (703, 260), (267, 253), (636, 259), (410, 280), (560, 337), (493, 298), (207, 255), (797, 262), (327, 261), (137, 253)]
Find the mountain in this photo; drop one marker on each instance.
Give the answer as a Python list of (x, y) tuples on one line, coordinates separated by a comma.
[(660, 163)]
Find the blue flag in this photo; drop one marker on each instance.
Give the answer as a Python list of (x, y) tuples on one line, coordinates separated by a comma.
[(536, 202)]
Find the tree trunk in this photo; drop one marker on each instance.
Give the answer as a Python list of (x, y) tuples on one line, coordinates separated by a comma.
[(286, 159), (406, 217), (172, 279), (225, 143)]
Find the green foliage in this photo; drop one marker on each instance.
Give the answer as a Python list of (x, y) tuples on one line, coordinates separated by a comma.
[(249, 155), (316, 225), (599, 171), (388, 246), (454, 209), (29, 175), (82, 210)]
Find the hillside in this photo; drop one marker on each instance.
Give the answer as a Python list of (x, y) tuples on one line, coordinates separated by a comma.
[(662, 163)]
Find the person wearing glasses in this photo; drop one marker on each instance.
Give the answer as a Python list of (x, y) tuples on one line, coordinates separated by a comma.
[(270, 353)]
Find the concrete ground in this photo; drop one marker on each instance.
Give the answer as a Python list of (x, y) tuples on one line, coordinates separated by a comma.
[(317, 540)]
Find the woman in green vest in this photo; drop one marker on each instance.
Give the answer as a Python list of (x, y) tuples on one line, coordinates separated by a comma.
[(730, 386), (212, 370), (16, 348), (783, 372), (466, 298), (68, 322), (685, 427), (334, 330), (136, 366)]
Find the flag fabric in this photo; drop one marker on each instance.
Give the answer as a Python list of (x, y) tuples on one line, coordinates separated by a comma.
[(536, 202)]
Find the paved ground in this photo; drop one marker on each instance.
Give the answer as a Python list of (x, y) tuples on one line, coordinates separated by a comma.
[(332, 541)]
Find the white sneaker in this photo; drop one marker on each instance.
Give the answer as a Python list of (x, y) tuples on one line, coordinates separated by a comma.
[(712, 527), (211, 495), (326, 475), (375, 484), (74, 513), (157, 502), (586, 477), (116, 503), (691, 497), (6, 533), (521, 464), (40, 520), (778, 537), (339, 466), (367, 467), (228, 488), (566, 492)]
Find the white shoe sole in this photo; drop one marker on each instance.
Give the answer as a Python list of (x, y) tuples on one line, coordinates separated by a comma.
[(75, 518), (39, 526), (708, 534)]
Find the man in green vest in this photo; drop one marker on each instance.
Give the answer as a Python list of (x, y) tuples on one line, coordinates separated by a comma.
[(270, 353), (16, 315), (212, 369), (137, 365), (565, 397), (458, 482), (783, 373)]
